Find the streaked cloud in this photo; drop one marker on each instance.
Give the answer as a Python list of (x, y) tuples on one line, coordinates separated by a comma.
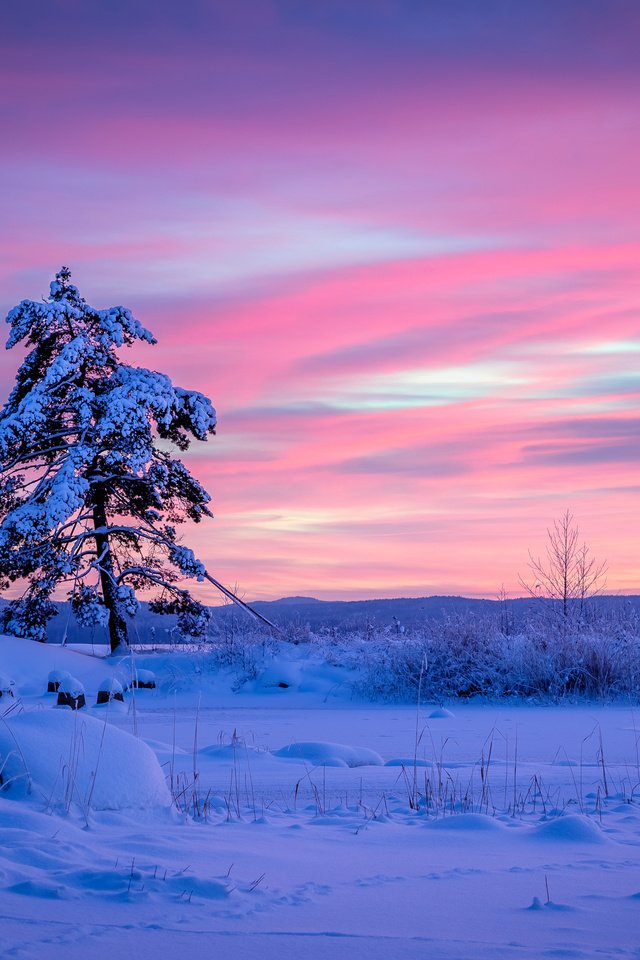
[(396, 243)]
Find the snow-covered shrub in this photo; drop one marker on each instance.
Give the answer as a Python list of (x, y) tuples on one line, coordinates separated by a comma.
[(469, 655), (239, 643)]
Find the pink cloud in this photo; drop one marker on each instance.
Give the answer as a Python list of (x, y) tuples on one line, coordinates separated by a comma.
[(406, 272)]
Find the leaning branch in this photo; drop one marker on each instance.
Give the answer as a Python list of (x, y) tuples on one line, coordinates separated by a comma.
[(245, 606)]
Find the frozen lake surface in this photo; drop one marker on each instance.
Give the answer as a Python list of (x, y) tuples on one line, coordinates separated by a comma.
[(273, 820)]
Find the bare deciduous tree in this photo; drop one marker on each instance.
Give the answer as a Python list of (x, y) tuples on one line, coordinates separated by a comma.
[(568, 572)]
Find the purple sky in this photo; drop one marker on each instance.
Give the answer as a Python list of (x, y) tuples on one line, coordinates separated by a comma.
[(396, 242)]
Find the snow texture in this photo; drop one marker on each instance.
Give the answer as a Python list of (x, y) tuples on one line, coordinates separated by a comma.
[(206, 818), (330, 754)]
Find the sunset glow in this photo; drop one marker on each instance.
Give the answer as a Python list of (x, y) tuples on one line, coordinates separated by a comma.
[(397, 246)]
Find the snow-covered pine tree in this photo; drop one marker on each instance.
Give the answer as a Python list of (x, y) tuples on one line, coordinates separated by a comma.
[(89, 498)]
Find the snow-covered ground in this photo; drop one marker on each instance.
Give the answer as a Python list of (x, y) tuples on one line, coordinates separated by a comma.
[(273, 820)]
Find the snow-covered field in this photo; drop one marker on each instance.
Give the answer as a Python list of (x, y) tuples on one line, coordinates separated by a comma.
[(299, 821)]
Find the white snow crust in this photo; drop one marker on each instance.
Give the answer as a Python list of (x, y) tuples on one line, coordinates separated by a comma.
[(212, 817)]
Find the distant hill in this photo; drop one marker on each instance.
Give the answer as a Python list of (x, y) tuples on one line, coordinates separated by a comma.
[(356, 613), (292, 600), (411, 611)]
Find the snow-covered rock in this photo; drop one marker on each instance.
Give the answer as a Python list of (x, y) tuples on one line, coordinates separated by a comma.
[(71, 685), (56, 677), (110, 689), (144, 679), (71, 693)]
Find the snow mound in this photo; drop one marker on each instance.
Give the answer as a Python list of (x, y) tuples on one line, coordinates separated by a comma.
[(476, 822), (321, 753), (298, 671), (229, 753), (71, 758), (440, 713), (571, 828), (281, 674), (30, 664)]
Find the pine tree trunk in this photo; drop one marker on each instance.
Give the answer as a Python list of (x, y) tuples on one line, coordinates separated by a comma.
[(117, 624)]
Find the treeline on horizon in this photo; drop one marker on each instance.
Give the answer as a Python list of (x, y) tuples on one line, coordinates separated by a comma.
[(296, 615), (428, 649)]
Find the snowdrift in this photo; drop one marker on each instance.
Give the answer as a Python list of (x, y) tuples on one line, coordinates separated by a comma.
[(69, 758)]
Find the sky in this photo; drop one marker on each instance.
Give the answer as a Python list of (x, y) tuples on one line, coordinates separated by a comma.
[(395, 241)]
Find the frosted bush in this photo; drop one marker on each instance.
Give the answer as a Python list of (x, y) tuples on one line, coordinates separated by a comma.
[(467, 656)]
